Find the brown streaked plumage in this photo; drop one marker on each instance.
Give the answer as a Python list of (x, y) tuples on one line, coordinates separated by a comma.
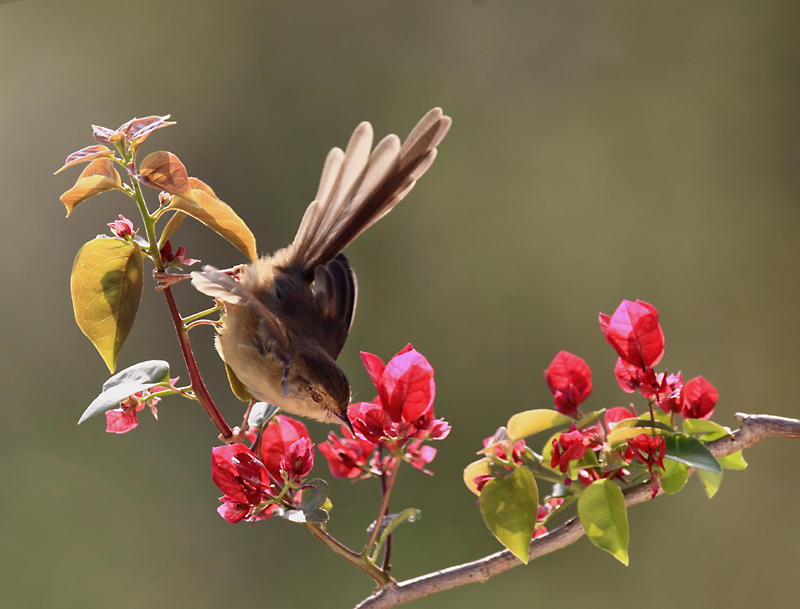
[(280, 336)]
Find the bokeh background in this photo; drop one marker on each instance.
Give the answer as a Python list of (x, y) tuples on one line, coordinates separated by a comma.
[(599, 151)]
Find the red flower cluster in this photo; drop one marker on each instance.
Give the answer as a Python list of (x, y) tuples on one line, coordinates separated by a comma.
[(635, 333), (650, 450), (572, 445), (398, 420), (570, 380), (508, 454), (255, 486)]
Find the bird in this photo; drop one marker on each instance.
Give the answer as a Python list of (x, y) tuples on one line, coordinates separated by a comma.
[(286, 316)]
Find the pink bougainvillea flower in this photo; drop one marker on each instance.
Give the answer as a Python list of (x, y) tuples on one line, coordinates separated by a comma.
[(420, 455), (700, 397), (672, 400), (627, 376), (615, 415), (347, 456), (405, 385), (570, 381), (480, 481), (123, 419), (244, 480), (175, 259), (634, 332), (571, 446), (505, 450), (652, 384), (397, 420), (298, 459), (650, 450), (122, 228), (276, 440), (371, 421)]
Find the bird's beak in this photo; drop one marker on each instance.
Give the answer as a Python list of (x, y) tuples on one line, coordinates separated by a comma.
[(342, 416)]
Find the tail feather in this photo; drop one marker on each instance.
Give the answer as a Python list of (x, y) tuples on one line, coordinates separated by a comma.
[(357, 188)]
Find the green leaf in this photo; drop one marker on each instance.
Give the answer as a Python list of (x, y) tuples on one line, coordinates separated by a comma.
[(675, 476), (125, 383), (692, 452), (106, 285), (691, 426), (601, 508), (711, 482), (312, 500), (733, 461), (202, 204), (527, 423), (407, 515), (589, 418), (509, 507)]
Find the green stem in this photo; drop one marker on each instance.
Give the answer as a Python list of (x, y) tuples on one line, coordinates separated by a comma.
[(199, 387), (201, 314), (382, 579), (383, 509)]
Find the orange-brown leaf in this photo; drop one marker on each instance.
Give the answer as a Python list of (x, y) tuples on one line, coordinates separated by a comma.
[(99, 176), (201, 204), (89, 153), (172, 225), (164, 171)]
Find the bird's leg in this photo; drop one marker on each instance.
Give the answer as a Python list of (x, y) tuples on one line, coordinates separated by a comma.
[(165, 280)]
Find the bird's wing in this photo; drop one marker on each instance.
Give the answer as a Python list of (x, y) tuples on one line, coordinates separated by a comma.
[(336, 291), (221, 285)]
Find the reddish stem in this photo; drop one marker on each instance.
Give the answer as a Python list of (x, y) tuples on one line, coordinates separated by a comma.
[(199, 387)]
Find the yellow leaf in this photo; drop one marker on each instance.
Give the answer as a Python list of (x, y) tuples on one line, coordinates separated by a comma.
[(99, 176), (527, 423), (106, 285), (476, 468)]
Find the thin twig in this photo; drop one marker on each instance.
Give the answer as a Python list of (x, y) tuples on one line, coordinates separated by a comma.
[(754, 429)]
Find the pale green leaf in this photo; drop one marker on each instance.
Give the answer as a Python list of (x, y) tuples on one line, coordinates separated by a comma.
[(527, 423), (601, 508), (509, 507), (675, 476), (711, 482)]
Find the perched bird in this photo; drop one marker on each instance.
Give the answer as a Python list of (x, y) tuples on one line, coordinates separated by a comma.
[(287, 316)]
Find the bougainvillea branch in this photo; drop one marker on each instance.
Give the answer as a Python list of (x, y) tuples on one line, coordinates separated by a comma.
[(755, 428), (602, 460)]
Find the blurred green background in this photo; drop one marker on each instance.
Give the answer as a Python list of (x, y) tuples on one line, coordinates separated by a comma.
[(599, 151)]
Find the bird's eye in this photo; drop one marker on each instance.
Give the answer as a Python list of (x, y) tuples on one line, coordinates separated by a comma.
[(317, 397)]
